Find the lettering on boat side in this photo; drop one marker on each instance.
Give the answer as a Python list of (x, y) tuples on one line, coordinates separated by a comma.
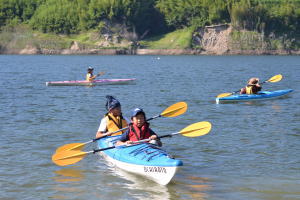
[(155, 169)]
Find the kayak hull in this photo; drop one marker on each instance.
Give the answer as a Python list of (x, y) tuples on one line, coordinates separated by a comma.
[(143, 159), (262, 95), (90, 83)]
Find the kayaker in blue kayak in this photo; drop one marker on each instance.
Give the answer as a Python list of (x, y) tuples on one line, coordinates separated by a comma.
[(252, 87), (113, 119), (138, 129)]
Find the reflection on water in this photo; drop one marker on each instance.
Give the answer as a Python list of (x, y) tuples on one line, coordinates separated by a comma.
[(68, 175), (194, 187), (67, 180), (276, 107)]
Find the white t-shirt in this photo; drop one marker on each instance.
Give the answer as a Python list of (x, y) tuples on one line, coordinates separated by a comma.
[(103, 124)]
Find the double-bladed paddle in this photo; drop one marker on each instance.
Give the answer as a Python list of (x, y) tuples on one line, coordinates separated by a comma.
[(172, 111), (73, 156), (100, 74), (273, 79)]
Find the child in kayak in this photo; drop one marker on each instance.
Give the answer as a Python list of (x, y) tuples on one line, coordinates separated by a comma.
[(112, 120), (90, 76), (138, 129), (253, 87)]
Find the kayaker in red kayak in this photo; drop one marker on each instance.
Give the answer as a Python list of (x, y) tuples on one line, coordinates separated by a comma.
[(138, 129), (253, 87), (113, 119)]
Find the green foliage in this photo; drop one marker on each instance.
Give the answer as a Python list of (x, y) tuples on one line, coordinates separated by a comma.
[(180, 13), (179, 39), (140, 15), (21, 10), (247, 40), (58, 16), (152, 17), (267, 16)]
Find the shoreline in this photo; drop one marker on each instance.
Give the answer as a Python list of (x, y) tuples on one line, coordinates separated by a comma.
[(35, 51)]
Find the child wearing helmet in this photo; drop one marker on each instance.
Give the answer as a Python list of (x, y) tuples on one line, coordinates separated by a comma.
[(138, 129)]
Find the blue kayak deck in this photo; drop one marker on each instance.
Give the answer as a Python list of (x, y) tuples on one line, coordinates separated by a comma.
[(260, 96), (139, 154)]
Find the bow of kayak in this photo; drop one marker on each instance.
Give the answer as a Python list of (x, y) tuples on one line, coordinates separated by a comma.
[(262, 95), (143, 159), (90, 83)]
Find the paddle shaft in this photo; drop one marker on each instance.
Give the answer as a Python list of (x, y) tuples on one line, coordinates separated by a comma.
[(163, 136), (157, 116), (135, 142)]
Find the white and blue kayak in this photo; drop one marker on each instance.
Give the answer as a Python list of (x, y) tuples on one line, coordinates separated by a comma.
[(262, 95), (143, 159)]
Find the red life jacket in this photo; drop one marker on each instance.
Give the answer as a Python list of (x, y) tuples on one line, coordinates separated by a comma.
[(136, 133)]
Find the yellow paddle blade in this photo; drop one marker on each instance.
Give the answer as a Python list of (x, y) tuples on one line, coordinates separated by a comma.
[(72, 146), (175, 110), (275, 79), (224, 95), (68, 157), (196, 129)]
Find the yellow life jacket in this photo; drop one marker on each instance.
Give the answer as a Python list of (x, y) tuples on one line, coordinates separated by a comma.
[(115, 123), (89, 77), (249, 89)]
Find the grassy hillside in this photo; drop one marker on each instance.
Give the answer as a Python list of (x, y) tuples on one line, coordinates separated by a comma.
[(179, 39)]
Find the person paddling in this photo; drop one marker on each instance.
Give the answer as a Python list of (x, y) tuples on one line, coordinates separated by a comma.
[(90, 76), (113, 119), (138, 129), (253, 87)]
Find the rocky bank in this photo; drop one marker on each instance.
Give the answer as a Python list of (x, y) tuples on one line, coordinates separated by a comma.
[(210, 40)]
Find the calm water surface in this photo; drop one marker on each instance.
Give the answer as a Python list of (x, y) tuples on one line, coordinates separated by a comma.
[(252, 151)]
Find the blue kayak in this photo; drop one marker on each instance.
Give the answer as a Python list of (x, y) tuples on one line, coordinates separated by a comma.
[(262, 95), (144, 159)]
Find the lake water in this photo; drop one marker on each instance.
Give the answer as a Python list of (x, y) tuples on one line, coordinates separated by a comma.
[(252, 151)]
